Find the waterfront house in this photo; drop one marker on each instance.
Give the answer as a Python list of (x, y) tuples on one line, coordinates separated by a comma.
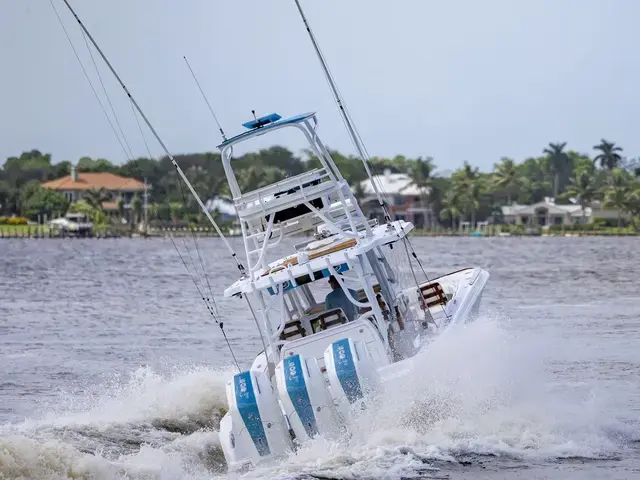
[(547, 212), (76, 186), (406, 200)]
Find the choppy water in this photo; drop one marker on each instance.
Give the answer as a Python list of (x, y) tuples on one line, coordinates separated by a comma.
[(111, 368)]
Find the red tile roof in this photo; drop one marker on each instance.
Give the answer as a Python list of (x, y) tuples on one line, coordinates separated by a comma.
[(88, 181)]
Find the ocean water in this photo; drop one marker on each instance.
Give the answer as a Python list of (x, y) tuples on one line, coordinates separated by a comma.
[(111, 367)]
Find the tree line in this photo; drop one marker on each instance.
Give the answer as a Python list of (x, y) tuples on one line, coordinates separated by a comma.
[(467, 194)]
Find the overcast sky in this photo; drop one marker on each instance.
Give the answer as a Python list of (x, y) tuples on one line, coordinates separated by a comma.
[(457, 80)]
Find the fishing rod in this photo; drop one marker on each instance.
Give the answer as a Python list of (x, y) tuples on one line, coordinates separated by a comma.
[(155, 134), (205, 99), (336, 95), (357, 141)]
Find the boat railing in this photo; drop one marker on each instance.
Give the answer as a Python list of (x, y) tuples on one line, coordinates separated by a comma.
[(286, 200), (300, 208), (247, 202)]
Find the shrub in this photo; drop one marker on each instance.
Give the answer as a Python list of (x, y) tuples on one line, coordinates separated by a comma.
[(16, 221)]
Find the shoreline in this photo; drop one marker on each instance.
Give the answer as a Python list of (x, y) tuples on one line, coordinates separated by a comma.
[(40, 232)]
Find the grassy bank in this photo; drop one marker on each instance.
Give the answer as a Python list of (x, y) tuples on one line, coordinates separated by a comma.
[(23, 230)]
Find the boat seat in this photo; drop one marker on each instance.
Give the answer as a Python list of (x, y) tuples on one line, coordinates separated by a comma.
[(328, 319), (293, 329), (433, 294)]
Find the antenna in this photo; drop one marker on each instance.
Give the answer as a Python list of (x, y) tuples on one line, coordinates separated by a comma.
[(205, 99), (155, 134)]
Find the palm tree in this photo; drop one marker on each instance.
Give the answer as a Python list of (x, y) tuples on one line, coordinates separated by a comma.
[(257, 176), (616, 192), (468, 173), (465, 182), (558, 162), (633, 203), (421, 178), (473, 197), (451, 207), (96, 197), (609, 157), (121, 207), (582, 187), (506, 177), (136, 209)]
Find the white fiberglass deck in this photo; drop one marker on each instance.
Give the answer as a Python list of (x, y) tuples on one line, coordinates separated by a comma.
[(289, 268)]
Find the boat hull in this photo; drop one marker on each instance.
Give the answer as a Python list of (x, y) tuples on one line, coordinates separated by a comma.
[(318, 394)]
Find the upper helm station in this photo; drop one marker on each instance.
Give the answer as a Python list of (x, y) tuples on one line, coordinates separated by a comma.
[(318, 203)]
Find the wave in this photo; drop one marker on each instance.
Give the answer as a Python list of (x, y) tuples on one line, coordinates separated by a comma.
[(480, 392)]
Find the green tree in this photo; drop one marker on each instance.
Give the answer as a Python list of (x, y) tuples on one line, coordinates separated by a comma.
[(558, 163), (608, 157), (87, 164), (616, 192), (61, 169), (583, 188), (535, 184), (474, 198), (136, 209), (7, 195), (452, 208), (121, 207), (38, 201), (632, 204), (506, 178), (177, 211), (17, 172), (257, 176), (466, 182), (96, 197), (94, 214), (421, 177)]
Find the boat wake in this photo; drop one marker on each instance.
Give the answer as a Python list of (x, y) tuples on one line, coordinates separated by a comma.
[(480, 395)]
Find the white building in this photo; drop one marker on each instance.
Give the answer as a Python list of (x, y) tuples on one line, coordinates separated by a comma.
[(547, 212), (405, 200)]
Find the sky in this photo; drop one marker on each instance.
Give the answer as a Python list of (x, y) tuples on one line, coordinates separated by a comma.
[(461, 80)]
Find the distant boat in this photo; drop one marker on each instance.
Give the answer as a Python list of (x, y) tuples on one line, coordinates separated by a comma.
[(73, 224)]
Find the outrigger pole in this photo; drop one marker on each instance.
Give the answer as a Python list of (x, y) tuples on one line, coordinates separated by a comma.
[(354, 137), (155, 134)]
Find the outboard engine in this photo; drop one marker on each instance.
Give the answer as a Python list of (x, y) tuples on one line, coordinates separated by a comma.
[(307, 402), (352, 374), (254, 428)]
